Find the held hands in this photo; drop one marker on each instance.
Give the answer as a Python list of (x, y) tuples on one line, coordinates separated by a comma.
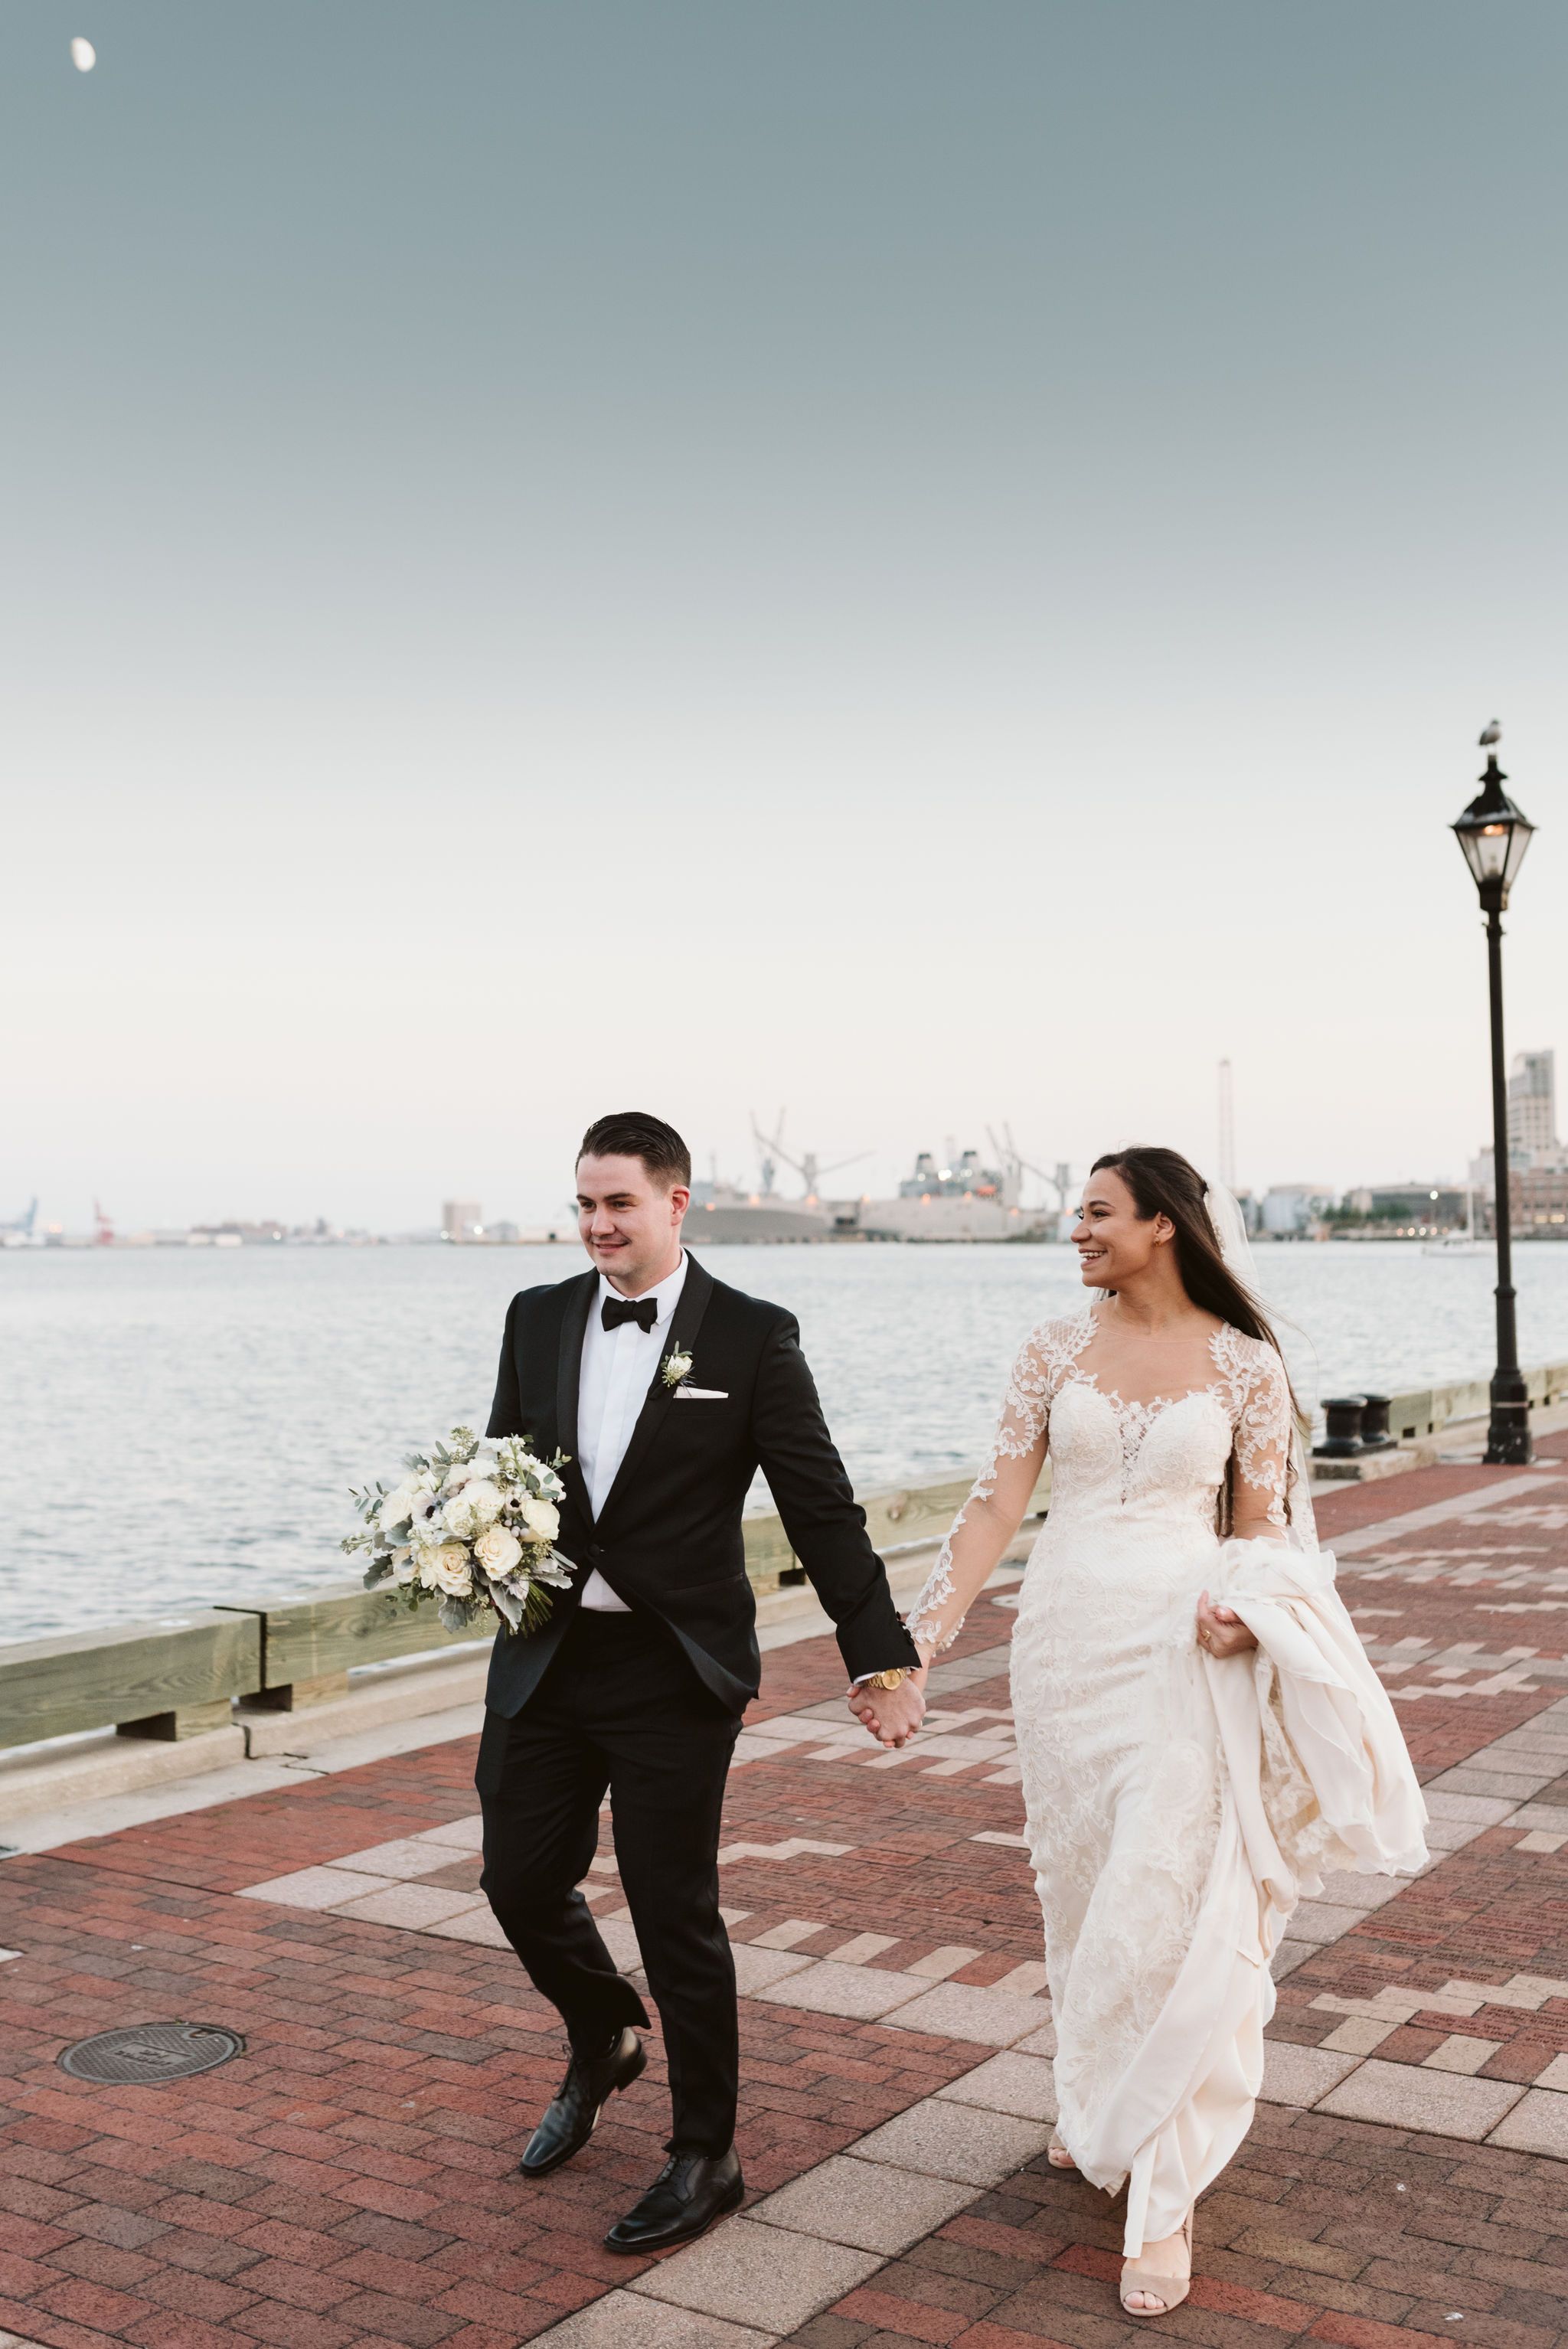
[(1221, 1630), (891, 1715)]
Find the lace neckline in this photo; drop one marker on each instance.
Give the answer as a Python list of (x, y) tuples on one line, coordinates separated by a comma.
[(1156, 1403)]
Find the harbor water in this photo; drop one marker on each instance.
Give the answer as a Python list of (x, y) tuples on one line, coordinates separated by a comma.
[(183, 1427)]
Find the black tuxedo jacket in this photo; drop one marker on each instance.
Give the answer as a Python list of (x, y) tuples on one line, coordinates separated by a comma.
[(669, 1541)]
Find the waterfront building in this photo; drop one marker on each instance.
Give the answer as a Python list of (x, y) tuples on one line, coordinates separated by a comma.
[(1421, 1204), (461, 1220), (1531, 1123), (1533, 1104), (1539, 1200), (1290, 1209)]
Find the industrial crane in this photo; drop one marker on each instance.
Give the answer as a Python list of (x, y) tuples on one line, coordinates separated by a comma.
[(771, 1146), (1017, 1167)]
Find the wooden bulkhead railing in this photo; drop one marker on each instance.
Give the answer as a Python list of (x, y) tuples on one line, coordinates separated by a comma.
[(179, 1675)]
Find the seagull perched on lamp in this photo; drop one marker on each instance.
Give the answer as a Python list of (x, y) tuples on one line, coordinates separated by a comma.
[(1491, 736)]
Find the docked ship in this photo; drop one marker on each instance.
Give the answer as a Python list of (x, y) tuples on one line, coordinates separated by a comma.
[(960, 1201), (721, 1213)]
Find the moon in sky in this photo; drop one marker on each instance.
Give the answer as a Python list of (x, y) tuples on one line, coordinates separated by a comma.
[(84, 56)]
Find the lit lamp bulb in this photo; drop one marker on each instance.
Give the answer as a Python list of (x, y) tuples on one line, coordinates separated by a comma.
[(84, 56)]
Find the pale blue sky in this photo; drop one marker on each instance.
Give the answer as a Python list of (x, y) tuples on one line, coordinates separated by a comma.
[(933, 564)]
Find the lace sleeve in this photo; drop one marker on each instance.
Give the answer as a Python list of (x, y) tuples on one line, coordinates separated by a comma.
[(1261, 1417), (1000, 1496)]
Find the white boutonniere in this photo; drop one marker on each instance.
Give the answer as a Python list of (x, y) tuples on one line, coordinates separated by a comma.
[(677, 1366)]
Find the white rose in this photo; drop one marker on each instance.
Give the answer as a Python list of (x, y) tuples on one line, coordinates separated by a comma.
[(498, 1551), (396, 1507), (477, 1505), (447, 1570), (541, 1519)]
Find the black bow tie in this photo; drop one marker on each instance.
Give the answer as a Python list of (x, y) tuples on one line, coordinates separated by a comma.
[(643, 1310)]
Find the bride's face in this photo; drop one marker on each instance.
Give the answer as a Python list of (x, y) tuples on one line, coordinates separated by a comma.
[(1114, 1242)]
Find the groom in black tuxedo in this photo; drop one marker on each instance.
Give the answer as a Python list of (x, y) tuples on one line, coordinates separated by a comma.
[(666, 1390)]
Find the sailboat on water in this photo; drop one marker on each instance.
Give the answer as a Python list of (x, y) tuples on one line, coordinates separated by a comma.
[(1461, 1243)]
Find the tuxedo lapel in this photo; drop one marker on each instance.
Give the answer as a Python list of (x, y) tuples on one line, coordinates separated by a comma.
[(685, 1323), (568, 1379)]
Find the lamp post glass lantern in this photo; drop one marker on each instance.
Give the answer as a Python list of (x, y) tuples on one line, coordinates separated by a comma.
[(1494, 835)]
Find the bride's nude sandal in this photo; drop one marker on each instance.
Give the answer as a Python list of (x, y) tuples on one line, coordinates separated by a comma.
[(1171, 2290), (1058, 2156)]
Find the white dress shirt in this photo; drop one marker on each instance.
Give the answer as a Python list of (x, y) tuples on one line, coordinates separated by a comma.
[(617, 1370)]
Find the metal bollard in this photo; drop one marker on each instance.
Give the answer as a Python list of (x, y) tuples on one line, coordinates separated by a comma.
[(1375, 1436), (1342, 1428)]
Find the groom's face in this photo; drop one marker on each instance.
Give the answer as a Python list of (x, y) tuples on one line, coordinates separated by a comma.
[(630, 1222)]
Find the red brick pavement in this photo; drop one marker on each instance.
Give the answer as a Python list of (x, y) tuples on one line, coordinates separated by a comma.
[(1491, 1909), (349, 2181), (1401, 1590), (1329, 2231)]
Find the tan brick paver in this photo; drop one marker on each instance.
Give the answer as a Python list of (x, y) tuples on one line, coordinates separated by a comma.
[(349, 2181)]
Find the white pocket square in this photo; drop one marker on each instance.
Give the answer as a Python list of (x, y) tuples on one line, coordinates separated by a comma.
[(702, 1395)]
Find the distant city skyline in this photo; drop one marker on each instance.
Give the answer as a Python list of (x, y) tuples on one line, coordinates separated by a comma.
[(877, 1175), (937, 566)]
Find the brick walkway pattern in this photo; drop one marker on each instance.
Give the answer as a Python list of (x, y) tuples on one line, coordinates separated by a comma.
[(349, 2180)]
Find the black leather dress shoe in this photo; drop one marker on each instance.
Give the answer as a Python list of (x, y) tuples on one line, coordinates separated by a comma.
[(690, 2193), (591, 2081)]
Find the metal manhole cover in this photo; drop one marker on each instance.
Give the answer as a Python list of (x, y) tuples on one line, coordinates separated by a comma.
[(151, 2052)]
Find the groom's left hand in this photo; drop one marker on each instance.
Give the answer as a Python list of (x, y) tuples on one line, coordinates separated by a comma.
[(892, 1715)]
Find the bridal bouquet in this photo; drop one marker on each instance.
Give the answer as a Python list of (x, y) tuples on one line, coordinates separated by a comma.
[(475, 1521)]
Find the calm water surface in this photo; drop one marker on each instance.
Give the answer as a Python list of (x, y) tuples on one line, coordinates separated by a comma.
[(185, 1426)]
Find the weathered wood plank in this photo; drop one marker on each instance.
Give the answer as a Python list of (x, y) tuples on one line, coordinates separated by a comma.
[(1426, 1411), (130, 1672), (308, 1634), (768, 1550)]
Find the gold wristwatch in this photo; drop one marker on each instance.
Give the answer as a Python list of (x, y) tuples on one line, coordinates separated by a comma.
[(894, 1679)]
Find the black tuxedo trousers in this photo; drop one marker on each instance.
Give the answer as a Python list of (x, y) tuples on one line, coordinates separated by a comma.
[(621, 1710)]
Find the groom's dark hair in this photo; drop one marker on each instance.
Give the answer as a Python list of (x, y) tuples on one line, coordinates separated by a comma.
[(632, 1134)]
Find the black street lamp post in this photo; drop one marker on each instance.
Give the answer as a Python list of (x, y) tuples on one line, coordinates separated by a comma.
[(1494, 835)]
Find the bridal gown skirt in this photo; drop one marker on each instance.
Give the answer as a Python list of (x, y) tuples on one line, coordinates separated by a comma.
[(1158, 1975)]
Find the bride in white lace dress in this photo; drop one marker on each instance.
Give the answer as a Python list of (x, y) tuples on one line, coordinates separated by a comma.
[(1199, 1731)]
